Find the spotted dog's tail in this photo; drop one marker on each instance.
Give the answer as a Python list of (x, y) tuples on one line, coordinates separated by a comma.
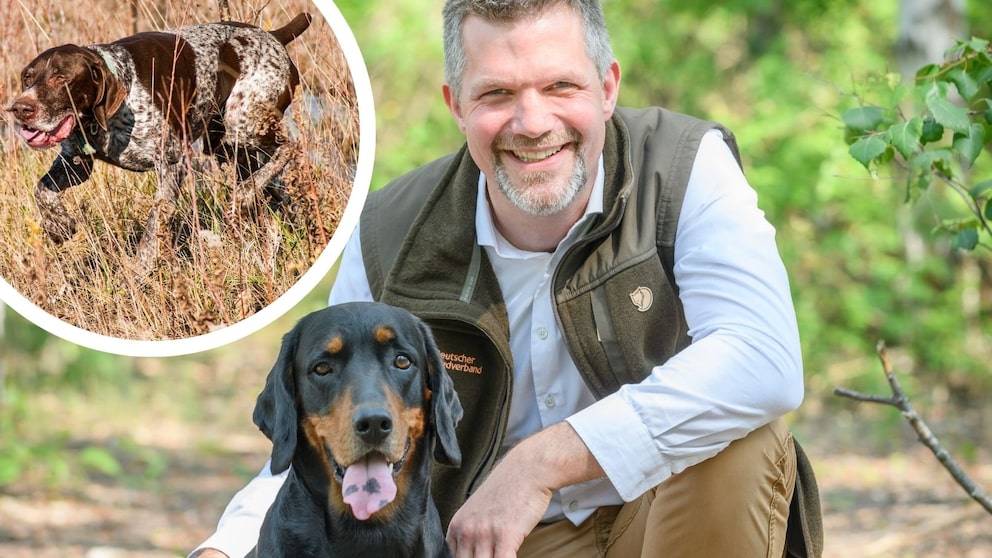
[(293, 29)]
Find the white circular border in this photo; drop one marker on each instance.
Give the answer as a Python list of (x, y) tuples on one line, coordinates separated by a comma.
[(289, 299)]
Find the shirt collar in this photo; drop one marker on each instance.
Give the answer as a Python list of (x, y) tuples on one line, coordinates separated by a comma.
[(490, 237)]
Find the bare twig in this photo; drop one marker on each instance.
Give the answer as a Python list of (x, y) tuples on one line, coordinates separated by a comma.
[(926, 436)]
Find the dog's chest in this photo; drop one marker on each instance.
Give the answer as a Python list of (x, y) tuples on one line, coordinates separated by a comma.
[(138, 136)]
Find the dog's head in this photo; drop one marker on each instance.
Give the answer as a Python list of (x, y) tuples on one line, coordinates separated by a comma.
[(60, 86), (364, 385)]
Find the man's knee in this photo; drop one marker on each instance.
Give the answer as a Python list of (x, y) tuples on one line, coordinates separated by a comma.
[(735, 501)]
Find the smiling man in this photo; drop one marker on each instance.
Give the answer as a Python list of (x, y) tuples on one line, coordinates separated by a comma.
[(532, 106), (619, 295)]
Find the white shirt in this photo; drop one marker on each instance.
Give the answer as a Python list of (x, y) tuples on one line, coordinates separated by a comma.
[(742, 370)]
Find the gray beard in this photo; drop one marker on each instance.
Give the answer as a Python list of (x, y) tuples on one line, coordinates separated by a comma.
[(520, 197)]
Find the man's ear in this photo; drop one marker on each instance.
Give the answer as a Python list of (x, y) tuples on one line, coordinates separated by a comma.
[(454, 106), (611, 89)]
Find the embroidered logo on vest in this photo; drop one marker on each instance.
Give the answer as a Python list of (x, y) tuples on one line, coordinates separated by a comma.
[(643, 298), (454, 362)]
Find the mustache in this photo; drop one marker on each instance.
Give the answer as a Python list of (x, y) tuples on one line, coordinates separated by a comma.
[(510, 142)]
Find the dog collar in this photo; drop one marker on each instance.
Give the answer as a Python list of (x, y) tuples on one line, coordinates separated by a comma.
[(111, 64)]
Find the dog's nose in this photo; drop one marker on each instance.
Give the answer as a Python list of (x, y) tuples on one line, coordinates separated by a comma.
[(22, 111), (373, 424)]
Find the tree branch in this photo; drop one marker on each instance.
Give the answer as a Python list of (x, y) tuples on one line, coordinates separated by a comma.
[(923, 432)]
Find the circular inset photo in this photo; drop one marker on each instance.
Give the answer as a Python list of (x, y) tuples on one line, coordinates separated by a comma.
[(176, 175)]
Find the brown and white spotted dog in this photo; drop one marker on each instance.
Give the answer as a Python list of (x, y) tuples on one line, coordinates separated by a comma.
[(357, 402), (139, 102)]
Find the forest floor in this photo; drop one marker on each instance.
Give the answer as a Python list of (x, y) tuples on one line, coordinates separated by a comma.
[(896, 506), (179, 465)]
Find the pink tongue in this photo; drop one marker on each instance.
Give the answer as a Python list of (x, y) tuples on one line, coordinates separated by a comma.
[(43, 140), (368, 486)]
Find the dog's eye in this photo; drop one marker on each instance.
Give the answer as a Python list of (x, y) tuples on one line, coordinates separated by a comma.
[(322, 369), (402, 362)]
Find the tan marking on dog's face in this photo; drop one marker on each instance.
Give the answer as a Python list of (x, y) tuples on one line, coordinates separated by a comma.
[(335, 344), (330, 432), (384, 334), (334, 432)]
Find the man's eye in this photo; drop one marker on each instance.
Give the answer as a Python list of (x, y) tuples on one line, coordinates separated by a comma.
[(402, 362)]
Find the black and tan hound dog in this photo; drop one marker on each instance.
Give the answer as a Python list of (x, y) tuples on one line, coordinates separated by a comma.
[(357, 402)]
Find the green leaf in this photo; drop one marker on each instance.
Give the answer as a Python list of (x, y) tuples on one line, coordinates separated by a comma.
[(964, 48), (905, 136), (863, 119), (100, 460), (927, 72), (965, 239), (932, 131), (966, 84), (981, 72), (982, 194), (916, 185), (981, 190), (929, 161), (977, 44), (946, 112), (970, 145), (867, 149)]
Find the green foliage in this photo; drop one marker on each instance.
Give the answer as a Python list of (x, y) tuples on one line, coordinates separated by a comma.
[(936, 136)]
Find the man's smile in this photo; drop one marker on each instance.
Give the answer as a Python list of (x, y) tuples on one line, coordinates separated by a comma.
[(536, 156)]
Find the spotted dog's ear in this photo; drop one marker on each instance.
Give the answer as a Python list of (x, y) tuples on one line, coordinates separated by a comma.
[(275, 409), (110, 93), (446, 410)]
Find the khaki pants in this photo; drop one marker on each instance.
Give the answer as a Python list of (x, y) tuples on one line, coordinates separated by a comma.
[(735, 504)]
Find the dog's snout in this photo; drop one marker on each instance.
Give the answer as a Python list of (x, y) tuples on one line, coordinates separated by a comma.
[(373, 425), (22, 110)]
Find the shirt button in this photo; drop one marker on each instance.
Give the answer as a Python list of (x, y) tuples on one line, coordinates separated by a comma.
[(549, 401), (542, 333), (573, 505)]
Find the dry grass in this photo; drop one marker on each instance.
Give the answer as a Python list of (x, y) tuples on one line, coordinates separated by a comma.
[(219, 268)]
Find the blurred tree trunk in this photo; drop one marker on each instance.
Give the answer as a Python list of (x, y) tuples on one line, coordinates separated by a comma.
[(927, 28)]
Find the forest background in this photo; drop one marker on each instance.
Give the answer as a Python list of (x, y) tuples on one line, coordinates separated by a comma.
[(92, 444)]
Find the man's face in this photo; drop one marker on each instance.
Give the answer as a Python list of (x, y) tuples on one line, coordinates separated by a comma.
[(533, 108)]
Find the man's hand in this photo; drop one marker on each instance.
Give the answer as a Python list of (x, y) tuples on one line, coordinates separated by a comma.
[(208, 553), (507, 506), (495, 519)]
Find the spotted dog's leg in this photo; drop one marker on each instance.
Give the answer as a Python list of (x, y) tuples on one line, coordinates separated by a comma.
[(69, 169), (157, 229)]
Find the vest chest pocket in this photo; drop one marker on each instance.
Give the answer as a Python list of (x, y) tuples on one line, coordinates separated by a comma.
[(627, 323)]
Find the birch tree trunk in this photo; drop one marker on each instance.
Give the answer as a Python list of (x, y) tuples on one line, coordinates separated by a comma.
[(927, 28)]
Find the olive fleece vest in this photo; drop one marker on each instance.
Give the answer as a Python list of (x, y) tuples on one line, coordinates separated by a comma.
[(614, 292)]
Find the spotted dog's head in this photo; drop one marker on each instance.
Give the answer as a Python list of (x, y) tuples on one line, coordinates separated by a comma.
[(62, 85), (364, 386)]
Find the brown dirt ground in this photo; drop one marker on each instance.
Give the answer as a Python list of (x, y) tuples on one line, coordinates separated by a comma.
[(901, 505)]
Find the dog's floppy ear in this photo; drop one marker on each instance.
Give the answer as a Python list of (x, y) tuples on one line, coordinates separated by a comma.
[(275, 408), (110, 92), (446, 410)]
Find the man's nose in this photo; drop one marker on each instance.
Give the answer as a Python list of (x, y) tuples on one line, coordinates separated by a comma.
[(532, 116)]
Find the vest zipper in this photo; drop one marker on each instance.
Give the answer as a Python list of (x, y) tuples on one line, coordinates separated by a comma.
[(594, 384)]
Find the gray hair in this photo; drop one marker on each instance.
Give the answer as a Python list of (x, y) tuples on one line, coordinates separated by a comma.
[(597, 40)]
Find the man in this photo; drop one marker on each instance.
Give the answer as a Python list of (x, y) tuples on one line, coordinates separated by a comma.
[(644, 410)]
